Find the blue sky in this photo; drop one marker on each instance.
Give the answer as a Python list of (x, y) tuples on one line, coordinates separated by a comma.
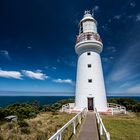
[(37, 39)]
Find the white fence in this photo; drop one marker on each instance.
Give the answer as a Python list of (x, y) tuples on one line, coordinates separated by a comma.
[(102, 129), (79, 116), (116, 109), (67, 107)]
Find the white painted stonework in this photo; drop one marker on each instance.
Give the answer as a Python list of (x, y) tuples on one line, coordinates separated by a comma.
[(88, 48)]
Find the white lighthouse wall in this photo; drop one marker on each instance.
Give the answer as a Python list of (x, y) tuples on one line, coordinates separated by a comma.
[(96, 88)]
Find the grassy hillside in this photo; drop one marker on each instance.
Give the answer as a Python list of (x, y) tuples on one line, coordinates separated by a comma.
[(39, 128), (123, 127), (35, 122)]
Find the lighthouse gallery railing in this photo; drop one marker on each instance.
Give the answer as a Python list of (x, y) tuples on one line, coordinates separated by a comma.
[(88, 36), (79, 116)]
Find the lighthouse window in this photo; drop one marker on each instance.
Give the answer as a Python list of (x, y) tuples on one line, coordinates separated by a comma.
[(90, 80), (88, 53), (81, 29), (89, 65)]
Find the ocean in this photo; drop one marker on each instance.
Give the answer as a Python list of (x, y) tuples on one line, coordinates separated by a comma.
[(43, 100)]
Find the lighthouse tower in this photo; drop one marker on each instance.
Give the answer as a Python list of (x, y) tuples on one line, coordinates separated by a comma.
[(90, 88)]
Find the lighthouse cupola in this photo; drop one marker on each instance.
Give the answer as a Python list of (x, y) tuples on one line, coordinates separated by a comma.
[(88, 38), (88, 23)]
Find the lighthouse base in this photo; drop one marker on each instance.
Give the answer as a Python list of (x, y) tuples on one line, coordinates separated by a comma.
[(111, 109)]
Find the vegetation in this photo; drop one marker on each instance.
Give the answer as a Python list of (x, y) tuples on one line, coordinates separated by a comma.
[(39, 122), (30, 110), (34, 121), (130, 104), (123, 127), (39, 128)]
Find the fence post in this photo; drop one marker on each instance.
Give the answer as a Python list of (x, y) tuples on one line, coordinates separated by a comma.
[(101, 129), (79, 119), (74, 127), (112, 111), (125, 111), (60, 136), (108, 136), (98, 119)]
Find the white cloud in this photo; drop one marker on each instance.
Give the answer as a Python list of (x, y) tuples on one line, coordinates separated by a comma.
[(5, 54), (10, 74), (54, 68), (109, 20), (67, 81), (112, 49), (134, 89), (50, 68), (132, 4), (119, 74), (105, 59), (138, 17), (35, 75), (125, 84), (29, 47), (126, 66), (96, 8), (117, 17)]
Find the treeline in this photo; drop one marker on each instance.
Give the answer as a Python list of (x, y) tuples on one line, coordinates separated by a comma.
[(30, 110), (130, 104)]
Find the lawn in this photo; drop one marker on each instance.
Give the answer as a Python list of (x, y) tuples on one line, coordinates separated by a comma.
[(123, 127)]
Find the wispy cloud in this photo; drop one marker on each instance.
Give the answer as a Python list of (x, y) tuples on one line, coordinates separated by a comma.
[(134, 89), (69, 61), (29, 47), (132, 4), (50, 67), (35, 75), (66, 81), (117, 17), (10, 74), (124, 74), (107, 59), (119, 74), (96, 8), (5, 54), (138, 17), (105, 27), (111, 48)]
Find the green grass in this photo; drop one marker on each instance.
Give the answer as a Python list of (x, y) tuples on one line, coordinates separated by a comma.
[(123, 127)]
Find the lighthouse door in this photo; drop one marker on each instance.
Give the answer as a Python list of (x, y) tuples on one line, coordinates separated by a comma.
[(90, 104)]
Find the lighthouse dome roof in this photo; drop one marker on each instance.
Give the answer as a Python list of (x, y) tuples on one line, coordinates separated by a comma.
[(87, 16)]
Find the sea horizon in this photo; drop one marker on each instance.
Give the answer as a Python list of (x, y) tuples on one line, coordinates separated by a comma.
[(45, 99), (59, 93)]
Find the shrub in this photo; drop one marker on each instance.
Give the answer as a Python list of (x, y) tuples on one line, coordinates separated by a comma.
[(62, 102), (127, 102), (136, 107), (1, 137), (41, 136), (32, 114), (23, 124), (25, 130), (10, 125), (55, 113)]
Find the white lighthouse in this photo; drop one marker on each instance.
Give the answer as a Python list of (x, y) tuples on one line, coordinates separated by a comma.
[(90, 88)]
